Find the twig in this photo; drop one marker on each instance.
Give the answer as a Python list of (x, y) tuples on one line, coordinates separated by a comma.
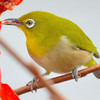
[(59, 79), (31, 67)]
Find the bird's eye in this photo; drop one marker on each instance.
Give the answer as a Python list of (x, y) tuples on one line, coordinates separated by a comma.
[(30, 23)]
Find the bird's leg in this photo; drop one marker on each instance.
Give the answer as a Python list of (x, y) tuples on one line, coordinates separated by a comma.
[(31, 82), (75, 74), (36, 80)]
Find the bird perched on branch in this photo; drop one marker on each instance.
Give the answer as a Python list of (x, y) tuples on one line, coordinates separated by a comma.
[(57, 44)]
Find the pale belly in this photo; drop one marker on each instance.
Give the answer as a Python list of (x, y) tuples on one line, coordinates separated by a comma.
[(63, 58)]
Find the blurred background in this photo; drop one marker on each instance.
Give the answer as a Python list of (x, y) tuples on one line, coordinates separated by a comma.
[(85, 13)]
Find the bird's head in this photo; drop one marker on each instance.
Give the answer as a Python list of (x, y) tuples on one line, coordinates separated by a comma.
[(40, 28), (34, 24)]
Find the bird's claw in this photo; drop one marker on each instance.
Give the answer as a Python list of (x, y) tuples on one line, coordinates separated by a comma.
[(33, 81), (75, 74)]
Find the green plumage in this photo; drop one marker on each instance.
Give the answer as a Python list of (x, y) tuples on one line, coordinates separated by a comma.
[(56, 27), (49, 29), (55, 43)]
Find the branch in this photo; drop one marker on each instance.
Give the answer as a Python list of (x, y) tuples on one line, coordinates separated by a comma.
[(59, 79), (31, 67)]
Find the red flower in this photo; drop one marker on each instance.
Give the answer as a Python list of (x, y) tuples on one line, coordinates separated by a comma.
[(0, 30), (6, 93), (8, 4)]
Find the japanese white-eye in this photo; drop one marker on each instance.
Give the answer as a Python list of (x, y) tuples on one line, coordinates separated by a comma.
[(57, 44)]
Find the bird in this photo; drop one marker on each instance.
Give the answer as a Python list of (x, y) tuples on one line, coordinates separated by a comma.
[(55, 43)]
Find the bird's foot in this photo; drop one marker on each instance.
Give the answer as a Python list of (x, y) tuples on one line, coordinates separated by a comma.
[(75, 74), (33, 81)]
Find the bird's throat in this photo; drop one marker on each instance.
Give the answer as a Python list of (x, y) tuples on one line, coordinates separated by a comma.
[(35, 48)]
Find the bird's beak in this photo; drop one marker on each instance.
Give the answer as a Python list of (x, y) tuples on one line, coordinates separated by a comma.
[(12, 21)]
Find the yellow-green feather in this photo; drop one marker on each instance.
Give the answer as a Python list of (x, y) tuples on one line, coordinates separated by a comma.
[(48, 30), (90, 63)]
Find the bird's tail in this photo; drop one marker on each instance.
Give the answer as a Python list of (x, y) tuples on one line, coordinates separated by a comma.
[(92, 62)]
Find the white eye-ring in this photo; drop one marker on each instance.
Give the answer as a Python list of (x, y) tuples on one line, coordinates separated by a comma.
[(30, 23)]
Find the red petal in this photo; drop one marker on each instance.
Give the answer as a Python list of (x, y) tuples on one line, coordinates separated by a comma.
[(7, 93), (0, 25), (0, 30), (8, 4), (0, 82)]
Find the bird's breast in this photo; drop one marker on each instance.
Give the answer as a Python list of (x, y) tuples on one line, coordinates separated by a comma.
[(63, 57)]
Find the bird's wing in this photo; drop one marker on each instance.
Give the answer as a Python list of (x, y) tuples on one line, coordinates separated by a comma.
[(79, 38)]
